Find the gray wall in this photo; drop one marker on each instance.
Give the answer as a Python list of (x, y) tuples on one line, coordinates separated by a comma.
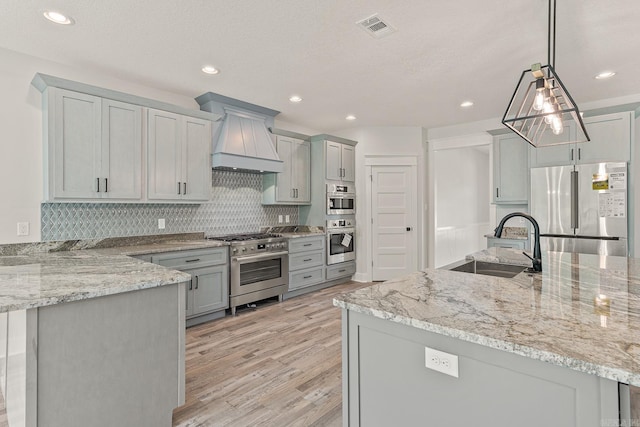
[(235, 207)]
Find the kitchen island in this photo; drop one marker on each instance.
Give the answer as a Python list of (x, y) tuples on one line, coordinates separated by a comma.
[(552, 348), (91, 339)]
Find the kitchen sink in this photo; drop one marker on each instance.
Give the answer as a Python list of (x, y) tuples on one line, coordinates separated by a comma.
[(487, 268)]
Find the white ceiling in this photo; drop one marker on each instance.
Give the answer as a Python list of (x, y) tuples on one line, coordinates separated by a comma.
[(444, 52)]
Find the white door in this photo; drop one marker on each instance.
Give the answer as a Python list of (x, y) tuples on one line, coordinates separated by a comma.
[(393, 213)]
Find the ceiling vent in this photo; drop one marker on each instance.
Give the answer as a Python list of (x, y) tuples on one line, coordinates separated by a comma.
[(375, 26)]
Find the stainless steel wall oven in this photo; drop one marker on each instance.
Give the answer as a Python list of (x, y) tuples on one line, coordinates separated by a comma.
[(341, 240), (341, 200)]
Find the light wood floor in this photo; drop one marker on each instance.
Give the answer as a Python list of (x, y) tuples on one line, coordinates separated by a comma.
[(277, 365)]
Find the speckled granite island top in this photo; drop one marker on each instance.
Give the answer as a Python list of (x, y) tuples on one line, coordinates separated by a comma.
[(582, 312), (29, 281)]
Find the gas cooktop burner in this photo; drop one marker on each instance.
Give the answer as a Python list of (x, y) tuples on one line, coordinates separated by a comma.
[(244, 237)]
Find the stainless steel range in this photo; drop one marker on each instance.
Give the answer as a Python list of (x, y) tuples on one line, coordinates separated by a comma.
[(258, 268)]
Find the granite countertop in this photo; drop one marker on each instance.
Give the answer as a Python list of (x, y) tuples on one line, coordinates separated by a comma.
[(295, 231), (37, 280), (582, 312), (514, 233)]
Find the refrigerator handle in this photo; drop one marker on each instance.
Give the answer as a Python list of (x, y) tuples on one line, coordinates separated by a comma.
[(574, 199)]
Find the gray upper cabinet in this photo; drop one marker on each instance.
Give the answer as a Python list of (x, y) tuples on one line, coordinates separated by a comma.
[(340, 161), (178, 157), (292, 185), (93, 149), (610, 141), (510, 170)]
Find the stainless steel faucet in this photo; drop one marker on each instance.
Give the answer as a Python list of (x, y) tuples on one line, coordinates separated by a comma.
[(537, 255)]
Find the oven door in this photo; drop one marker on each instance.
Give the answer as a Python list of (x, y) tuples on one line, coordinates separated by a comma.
[(257, 272), (341, 204), (341, 245)]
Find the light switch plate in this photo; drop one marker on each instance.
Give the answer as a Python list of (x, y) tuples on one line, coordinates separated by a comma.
[(286, 219), (440, 361), (161, 224), (279, 219)]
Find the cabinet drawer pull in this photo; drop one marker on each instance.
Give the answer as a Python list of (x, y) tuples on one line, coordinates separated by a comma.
[(98, 181), (307, 277), (193, 260), (307, 244), (342, 271), (308, 259)]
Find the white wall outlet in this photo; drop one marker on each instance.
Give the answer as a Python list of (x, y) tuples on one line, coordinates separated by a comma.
[(286, 219), (441, 361), (161, 224), (279, 219), (23, 229)]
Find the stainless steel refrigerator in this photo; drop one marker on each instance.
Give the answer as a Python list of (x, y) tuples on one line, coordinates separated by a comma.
[(581, 208)]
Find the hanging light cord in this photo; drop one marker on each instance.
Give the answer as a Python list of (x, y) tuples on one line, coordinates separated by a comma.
[(551, 35)]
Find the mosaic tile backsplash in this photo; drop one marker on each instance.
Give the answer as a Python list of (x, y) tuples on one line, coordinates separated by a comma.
[(235, 207)]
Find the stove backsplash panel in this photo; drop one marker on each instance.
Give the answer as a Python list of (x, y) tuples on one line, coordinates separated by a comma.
[(235, 207)]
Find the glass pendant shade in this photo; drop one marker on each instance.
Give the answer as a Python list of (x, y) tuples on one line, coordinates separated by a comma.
[(541, 110)]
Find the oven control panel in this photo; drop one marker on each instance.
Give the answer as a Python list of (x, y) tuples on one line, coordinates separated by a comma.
[(341, 223), (259, 247)]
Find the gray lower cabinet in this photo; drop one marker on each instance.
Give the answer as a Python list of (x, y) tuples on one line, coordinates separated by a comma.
[(344, 269), (306, 262), (386, 383), (207, 293), (498, 242)]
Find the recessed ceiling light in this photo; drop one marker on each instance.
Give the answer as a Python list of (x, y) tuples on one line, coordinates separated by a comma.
[(466, 104), (350, 117), (210, 69), (605, 75), (58, 17), (295, 98)]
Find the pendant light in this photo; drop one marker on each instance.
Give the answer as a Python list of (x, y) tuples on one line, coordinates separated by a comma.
[(541, 110)]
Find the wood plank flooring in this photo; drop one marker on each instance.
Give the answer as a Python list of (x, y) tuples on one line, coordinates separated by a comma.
[(277, 365)]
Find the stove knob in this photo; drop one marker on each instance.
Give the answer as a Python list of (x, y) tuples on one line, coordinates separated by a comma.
[(244, 249), (234, 250)]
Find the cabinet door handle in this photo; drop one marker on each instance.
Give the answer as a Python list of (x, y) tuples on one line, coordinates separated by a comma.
[(497, 192), (106, 185), (572, 154), (293, 193), (178, 188), (191, 284), (192, 260), (196, 282), (579, 153), (98, 181), (184, 191), (339, 171), (296, 193)]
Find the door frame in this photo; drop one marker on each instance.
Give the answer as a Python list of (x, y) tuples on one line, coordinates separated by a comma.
[(411, 161)]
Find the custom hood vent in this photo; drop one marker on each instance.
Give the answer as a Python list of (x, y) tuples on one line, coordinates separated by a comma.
[(242, 142)]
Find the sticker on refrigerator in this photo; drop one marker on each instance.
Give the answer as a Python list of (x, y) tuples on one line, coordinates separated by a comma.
[(600, 181), (612, 205), (617, 180)]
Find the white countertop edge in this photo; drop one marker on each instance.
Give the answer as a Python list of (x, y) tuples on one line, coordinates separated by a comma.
[(610, 373)]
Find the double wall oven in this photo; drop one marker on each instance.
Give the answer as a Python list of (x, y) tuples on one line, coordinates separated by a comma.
[(341, 240), (258, 267)]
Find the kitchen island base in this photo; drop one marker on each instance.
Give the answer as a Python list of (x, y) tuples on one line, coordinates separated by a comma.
[(112, 360), (385, 382)]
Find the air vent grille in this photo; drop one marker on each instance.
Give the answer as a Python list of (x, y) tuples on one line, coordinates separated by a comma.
[(375, 26)]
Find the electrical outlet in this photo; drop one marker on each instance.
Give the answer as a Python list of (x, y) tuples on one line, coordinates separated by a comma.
[(161, 224), (441, 361), (279, 219), (286, 219), (23, 229)]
